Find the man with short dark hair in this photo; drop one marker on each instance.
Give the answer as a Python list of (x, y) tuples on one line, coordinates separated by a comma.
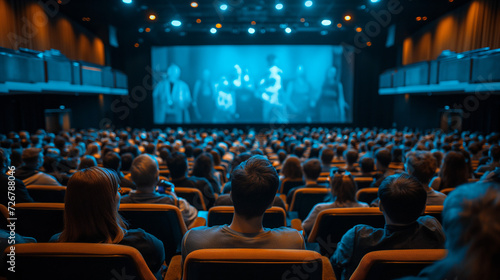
[(326, 157), (178, 166), (146, 175), (30, 172), (422, 165), (383, 158), (402, 201), (351, 157), (312, 170), (254, 186), (494, 155), (113, 161)]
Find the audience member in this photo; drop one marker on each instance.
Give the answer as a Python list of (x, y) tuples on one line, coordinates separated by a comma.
[(204, 168), (17, 187), (312, 170), (422, 165), (453, 172), (30, 172), (113, 161), (326, 156)]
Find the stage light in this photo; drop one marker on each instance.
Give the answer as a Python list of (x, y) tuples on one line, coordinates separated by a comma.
[(359, 29), (347, 18), (223, 7), (283, 25), (369, 44), (424, 18), (418, 18), (279, 6), (339, 25), (253, 22), (127, 1), (218, 25), (141, 30), (136, 45), (374, 1), (326, 22), (308, 3), (324, 32), (152, 17), (302, 20), (213, 30), (194, 4), (251, 30), (147, 29), (176, 23), (198, 20), (288, 30)]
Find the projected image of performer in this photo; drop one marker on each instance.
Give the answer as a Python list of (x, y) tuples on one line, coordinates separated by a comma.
[(172, 98), (332, 104), (244, 92), (270, 87), (225, 102), (204, 98), (299, 98)]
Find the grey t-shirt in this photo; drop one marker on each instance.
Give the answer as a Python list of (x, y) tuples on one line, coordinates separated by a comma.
[(224, 237), (435, 197)]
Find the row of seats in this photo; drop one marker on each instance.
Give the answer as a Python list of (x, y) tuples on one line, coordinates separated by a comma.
[(110, 261)]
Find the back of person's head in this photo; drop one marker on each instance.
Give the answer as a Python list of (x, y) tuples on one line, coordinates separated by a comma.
[(439, 157), (203, 166), (254, 185), (472, 227), (495, 153), (454, 170), (239, 159), (4, 160), (177, 164), (127, 159), (298, 151), (91, 207), (402, 198), (150, 149), (93, 149), (343, 187), (397, 155), (292, 168), (422, 165), (32, 157), (87, 161), (112, 161), (326, 155), (351, 156), (51, 163), (145, 171), (282, 156), (312, 169), (367, 164), (216, 157), (340, 150), (383, 157)]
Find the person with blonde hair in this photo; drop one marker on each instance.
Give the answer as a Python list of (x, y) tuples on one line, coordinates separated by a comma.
[(91, 216)]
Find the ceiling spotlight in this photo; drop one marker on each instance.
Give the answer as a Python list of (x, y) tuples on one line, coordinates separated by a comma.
[(279, 6), (347, 18), (288, 30), (218, 25), (152, 17), (127, 1), (176, 23), (324, 32), (251, 30), (374, 1), (253, 22), (308, 3), (326, 22), (213, 30), (223, 7), (339, 25), (194, 4), (359, 29), (198, 20), (147, 29), (141, 30)]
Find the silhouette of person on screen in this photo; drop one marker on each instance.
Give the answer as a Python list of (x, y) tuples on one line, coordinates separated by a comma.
[(332, 104), (298, 95), (204, 98), (172, 98), (225, 101), (270, 89)]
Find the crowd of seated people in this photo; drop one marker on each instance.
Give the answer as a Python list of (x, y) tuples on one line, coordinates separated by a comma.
[(254, 171)]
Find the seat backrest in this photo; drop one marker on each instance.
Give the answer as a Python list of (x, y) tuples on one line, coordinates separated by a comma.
[(393, 264), (434, 211), (304, 199), (161, 220), (286, 185), (193, 196), (54, 194), (332, 224), (78, 261), (245, 264), (363, 182), (274, 217), (447, 190), (39, 220), (367, 195)]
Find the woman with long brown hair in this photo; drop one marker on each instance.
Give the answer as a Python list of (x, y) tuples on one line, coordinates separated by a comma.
[(91, 216), (454, 172)]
